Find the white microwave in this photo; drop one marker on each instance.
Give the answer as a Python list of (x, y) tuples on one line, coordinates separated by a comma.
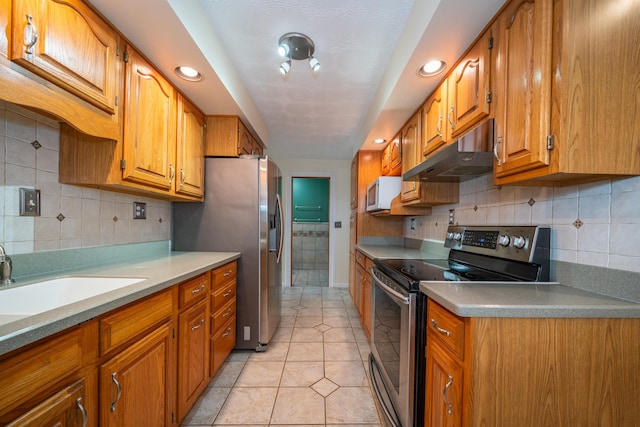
[(382, 191)]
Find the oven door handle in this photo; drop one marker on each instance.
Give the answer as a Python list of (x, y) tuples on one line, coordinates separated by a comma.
[(391, 292)]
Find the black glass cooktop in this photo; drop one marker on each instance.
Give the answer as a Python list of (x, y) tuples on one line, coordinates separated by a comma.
[(409, 272)]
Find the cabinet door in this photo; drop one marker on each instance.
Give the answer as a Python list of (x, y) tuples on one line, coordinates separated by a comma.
[(135, 384), (434, 129), (468, 87), (244, 140), (410, 157), (150, 125), (359, 284), (354, 182), (386, 160), (190, 150), (443, 394), (523, 74), (69, 45), (192, 356), (396, 156)]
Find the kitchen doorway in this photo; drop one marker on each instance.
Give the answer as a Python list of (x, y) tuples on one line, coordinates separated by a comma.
[(310, 231)]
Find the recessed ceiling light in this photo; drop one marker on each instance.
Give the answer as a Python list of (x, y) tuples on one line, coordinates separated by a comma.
[(379, 141), (188, 73), (432, 68)]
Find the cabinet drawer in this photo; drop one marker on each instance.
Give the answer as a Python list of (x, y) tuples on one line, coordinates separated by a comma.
[(193, 290), (221, 345), (222, 296), (446, 326), (224, 274), (360, 258), (127, 323), (32, 371), (65, 408), (222, 316)]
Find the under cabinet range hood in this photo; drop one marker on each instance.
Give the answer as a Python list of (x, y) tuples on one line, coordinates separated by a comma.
[(468, 157)]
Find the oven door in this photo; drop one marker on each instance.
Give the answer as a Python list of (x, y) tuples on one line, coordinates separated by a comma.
[(393, 348)]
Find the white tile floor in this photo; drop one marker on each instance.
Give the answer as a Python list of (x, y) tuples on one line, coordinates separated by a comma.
[(314, 373)]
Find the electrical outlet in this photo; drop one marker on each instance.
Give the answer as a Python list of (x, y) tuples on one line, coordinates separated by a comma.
[(29, 202), (338, 224), (413, 223), (452, 216), (139, 210)]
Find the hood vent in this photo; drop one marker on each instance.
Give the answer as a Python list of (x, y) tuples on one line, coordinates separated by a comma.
[(468, 157)]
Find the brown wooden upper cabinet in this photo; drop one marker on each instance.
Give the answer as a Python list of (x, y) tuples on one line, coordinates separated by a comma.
[(523, 111), (150, 125), (568, 106), (468, 87), (66, 43), (189, 150), (227, 136), (392, 158), (435, 132), (411, 156)]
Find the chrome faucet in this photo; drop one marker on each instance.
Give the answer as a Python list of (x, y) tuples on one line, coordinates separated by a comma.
[(5, 268)]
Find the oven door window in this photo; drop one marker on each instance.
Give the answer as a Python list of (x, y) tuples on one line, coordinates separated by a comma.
[(388, 338)]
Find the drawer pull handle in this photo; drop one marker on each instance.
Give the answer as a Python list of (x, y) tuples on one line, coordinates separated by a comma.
[(118, 391), (200, 289), (228, 273), (30, 35), (82, 410), (439, 329), (229, 292), (226, 313), (227, 332), (199, 325), (444, 395)]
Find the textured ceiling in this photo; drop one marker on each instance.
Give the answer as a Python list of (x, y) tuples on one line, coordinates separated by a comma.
[(369, 52), (322, 111)]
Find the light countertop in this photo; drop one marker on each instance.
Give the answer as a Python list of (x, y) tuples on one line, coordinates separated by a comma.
[(477, 299), (159, 273)]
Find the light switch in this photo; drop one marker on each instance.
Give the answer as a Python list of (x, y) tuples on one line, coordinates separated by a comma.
[(29, 202)]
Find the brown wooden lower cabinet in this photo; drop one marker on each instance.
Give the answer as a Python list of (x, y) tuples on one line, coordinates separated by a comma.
[(531, 371), (363, 288), (144, 364), (135, 384)]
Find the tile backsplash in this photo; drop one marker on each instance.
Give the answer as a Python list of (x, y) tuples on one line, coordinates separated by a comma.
[(595, 224), (71, 216)]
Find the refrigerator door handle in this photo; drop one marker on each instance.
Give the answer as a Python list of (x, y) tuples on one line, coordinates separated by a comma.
[(279, 228)]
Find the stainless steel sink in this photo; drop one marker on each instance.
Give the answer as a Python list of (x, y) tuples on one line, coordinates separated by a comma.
[(28, 300)]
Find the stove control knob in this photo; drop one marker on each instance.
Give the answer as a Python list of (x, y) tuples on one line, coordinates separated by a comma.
[(504, 240), (457, 236), (449, 235), (519, 242)]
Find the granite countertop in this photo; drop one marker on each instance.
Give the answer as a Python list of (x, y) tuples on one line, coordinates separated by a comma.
[(469, 299), (160, 272), (477, 299), (397, 251)]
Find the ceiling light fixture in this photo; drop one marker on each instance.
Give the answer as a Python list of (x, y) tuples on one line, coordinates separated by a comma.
[(379, 141), (432, 68), (188, 73), (296, 46)]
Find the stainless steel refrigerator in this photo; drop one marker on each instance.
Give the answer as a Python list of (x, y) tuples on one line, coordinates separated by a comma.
[(241, 213)]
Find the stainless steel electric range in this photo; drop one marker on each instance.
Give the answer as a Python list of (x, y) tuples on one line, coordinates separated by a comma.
[(398, 339)]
